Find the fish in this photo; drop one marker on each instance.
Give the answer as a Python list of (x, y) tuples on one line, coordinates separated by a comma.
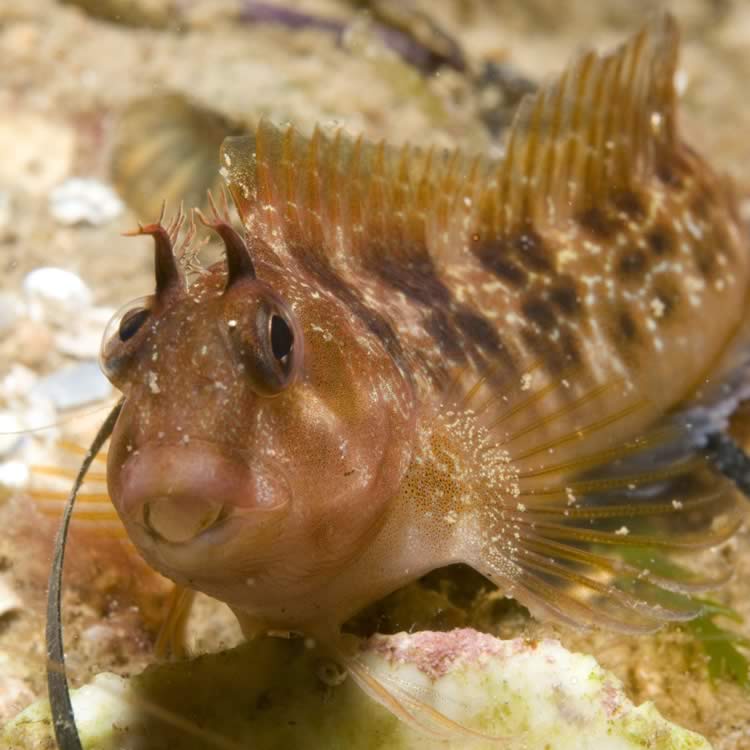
[(411, 358)]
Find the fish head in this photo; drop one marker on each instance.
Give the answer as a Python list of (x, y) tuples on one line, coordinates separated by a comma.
[(263, 431)]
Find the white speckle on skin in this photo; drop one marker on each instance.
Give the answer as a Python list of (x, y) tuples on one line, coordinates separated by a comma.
[(566, 256), (657, 307), (153, 382), (526, 381), (622, 531), (232, 323)]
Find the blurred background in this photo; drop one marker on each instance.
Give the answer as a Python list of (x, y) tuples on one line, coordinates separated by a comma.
[(108, 107)]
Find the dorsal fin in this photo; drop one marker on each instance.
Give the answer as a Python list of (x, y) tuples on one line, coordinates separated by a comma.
[(341, 194), (598, 127)]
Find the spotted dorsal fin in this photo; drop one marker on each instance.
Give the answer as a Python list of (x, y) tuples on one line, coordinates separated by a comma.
[(599, 127)]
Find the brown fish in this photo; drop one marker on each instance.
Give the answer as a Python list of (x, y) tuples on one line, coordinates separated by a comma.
[(413, 359)]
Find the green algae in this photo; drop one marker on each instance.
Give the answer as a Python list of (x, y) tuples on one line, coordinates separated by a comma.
[(268, 695)]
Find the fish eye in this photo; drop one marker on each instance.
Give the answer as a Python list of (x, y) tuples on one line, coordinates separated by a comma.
[(120, 334), (282, 338), (131, 323)]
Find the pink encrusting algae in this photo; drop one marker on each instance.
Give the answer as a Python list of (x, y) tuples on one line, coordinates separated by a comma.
[(411, 359)]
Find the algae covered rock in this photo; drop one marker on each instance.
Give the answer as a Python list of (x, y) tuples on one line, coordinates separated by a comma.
[(274, 693)]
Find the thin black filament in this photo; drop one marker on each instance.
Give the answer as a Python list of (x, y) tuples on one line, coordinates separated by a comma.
[(58, 690)]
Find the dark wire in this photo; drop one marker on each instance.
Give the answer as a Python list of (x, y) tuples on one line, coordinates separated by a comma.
[(58, 690)]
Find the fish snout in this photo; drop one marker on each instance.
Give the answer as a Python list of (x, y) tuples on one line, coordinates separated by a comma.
[(175, 493)]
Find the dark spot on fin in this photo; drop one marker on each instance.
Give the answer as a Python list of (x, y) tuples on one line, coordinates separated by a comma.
[(166, 149)]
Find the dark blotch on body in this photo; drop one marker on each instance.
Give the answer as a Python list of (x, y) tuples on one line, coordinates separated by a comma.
[(632, 264), (321, 269), (564, 295), (459, 331), (630, 204), (540, 312), (660, 240), (512, 258), (556, 356), (596, 221)]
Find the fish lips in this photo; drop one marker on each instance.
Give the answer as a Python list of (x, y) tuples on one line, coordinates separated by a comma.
[(176, 493)]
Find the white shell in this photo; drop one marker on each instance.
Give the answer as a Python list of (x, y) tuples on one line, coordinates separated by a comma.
[(55, 294)]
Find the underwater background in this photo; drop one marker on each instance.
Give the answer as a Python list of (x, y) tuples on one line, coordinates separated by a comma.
[(78, 80)]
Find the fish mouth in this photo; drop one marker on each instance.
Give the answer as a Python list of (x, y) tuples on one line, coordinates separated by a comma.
[(176, 493)]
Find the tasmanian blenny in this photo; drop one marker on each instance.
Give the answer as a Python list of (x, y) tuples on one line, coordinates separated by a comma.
[(413, 358)]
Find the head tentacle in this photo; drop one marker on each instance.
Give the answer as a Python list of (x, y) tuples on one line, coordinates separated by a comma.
[(169, 275), (239, 263)]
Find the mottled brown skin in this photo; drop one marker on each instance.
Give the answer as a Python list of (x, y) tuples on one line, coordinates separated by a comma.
[(510, 365)]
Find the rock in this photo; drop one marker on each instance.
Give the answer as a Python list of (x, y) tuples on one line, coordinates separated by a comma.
[(82, 200), (74, 386), (269, 694), (56, 294)]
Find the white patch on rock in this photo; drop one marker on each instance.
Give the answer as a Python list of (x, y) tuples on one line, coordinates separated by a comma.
[(81, 200)]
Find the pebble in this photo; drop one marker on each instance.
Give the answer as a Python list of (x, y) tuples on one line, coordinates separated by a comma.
[(74, 386), (56, 294), (81, 200)]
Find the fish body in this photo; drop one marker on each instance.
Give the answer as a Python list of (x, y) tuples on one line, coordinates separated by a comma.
[(412, 359)]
